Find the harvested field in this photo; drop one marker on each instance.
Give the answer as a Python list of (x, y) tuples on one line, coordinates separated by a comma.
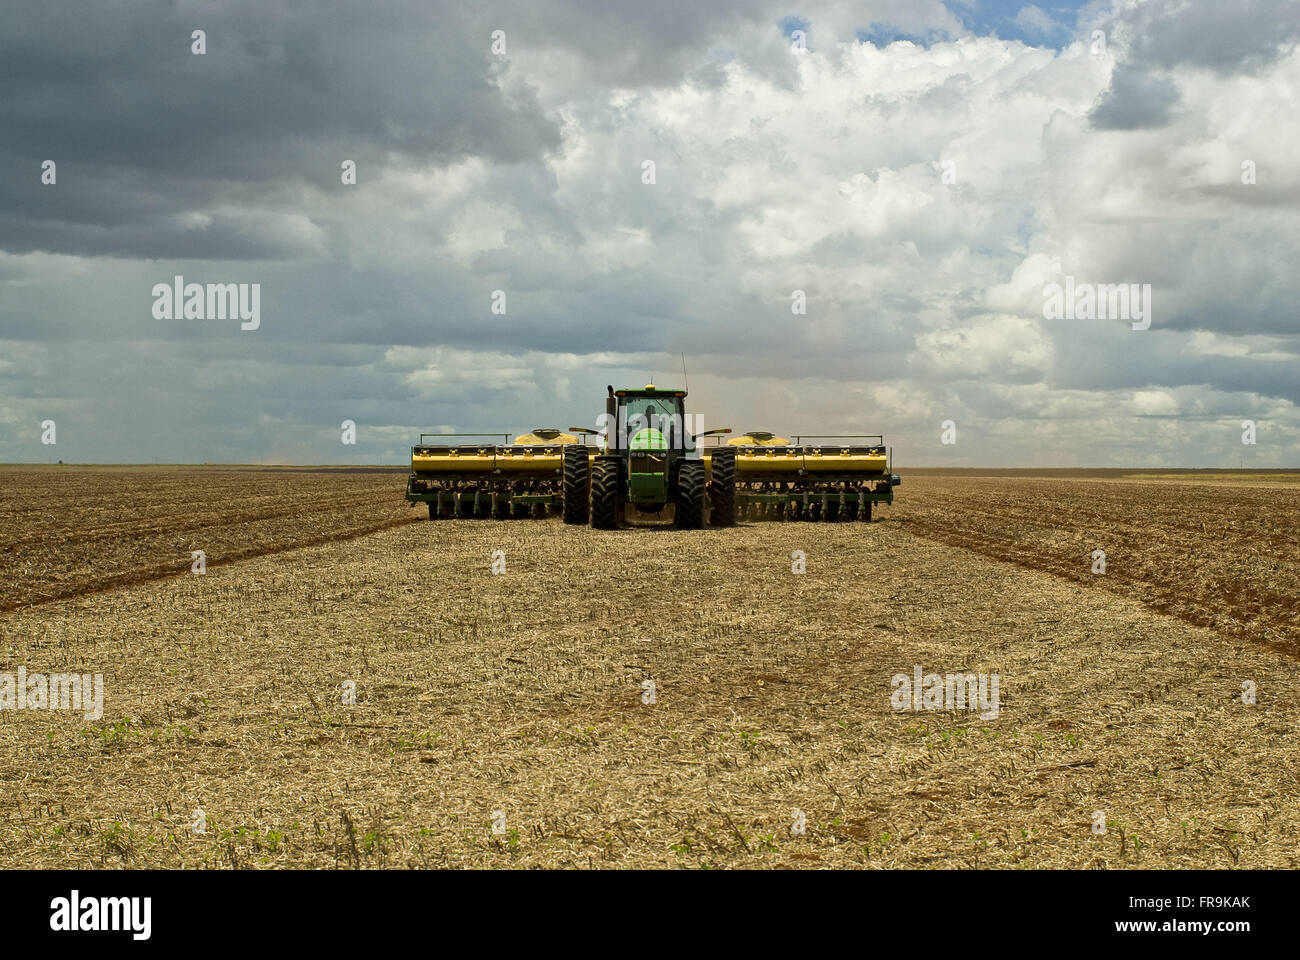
[(523, 692), (65, 531), (1221, 551)]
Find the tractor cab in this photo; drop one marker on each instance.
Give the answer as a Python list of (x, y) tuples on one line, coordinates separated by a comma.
[(650, 430), (650, 419)]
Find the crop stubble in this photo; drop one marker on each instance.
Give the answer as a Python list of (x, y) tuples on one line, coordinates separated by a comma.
[(67, 531), (1214, 551), (522, 693)]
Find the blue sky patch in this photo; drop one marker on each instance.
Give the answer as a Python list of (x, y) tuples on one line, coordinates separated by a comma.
[(1050, 23)]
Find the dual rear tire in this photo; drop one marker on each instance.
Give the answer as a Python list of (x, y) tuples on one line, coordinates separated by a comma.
[(722, 489), (577, 482), (689, 505), (595, 492), (606, 493)]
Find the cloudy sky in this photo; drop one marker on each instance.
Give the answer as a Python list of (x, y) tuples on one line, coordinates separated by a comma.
[(920, 170)]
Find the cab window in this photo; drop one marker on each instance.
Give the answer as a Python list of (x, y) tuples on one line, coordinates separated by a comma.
[(660, 413)]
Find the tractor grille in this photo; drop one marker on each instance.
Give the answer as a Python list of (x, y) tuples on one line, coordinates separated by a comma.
[(647, 463)]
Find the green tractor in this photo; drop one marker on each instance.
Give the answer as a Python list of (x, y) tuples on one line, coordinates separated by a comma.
[(648, 459)]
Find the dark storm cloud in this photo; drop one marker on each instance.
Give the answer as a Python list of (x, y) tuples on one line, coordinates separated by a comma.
[(1136, 100), (1244, 36), (1228, 37), (151, 139), (147, 134)]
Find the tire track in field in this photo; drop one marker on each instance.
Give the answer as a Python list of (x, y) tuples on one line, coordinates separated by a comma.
[(130, 578)]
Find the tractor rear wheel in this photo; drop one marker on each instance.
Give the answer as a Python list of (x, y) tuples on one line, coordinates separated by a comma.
[(606, 493), (689, 513), (577, 476), (722, 489)]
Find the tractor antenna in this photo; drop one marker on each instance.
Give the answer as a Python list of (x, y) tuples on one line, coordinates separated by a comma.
[(687, 384)]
